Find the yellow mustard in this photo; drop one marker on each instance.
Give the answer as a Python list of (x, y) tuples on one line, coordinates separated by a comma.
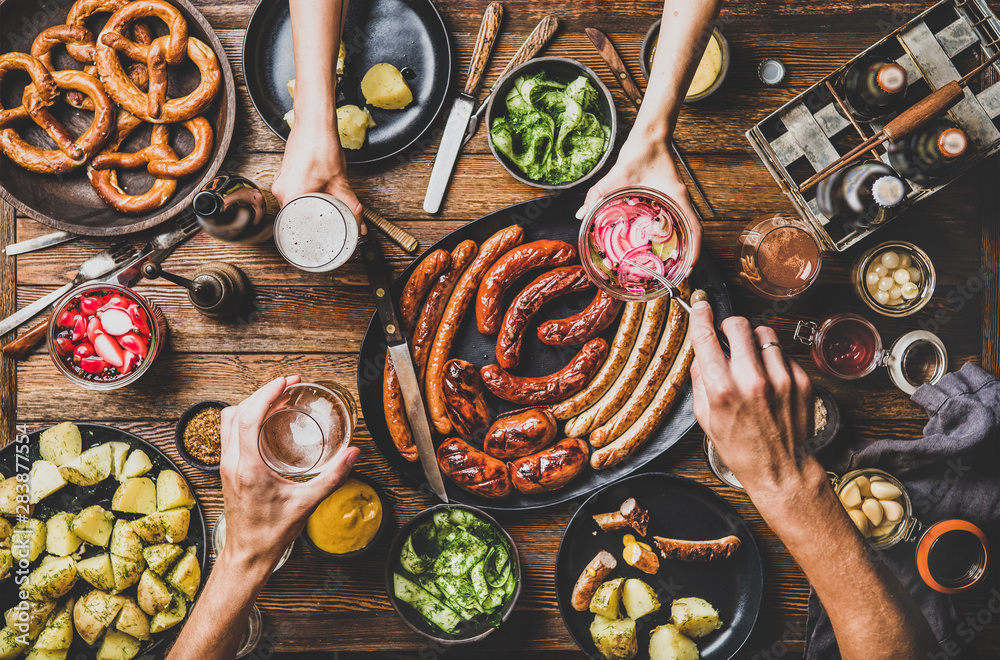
[(347, 520)]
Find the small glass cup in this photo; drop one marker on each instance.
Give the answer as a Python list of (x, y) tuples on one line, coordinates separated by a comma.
[(306, 427), (219, 542), (778, 257), (253, 633)]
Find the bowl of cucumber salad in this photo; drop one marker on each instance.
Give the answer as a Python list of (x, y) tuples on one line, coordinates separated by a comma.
[(453, 574)]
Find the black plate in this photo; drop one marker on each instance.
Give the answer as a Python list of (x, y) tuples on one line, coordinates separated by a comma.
[(75, 498), (409, 34), (678, 508), (549, 218)]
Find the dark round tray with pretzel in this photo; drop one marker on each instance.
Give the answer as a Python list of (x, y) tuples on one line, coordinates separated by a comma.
[(68, 201)]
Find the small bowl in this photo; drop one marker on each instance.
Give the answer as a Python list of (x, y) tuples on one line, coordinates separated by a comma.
[(409, 616), (918, 259), (650, 41), (833, 421), (179, 434), (379, 533), (565, 70)]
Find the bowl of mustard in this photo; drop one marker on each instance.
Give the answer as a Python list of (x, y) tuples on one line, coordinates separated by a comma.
[(712, 68), (349, 522)]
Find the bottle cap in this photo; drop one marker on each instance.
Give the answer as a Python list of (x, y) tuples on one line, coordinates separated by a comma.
[(888, 191), (953, 142), (892, 78), (771, 71)]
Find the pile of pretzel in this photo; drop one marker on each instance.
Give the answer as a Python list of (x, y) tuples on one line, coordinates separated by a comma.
[(122, 98)]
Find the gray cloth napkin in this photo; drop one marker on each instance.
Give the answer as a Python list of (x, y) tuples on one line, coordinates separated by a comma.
[(952, 472)]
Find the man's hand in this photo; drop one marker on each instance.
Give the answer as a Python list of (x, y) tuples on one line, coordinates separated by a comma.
[(265, 512)]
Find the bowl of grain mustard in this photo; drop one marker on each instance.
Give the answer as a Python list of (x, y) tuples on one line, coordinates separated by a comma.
[(712, 68), (349, 522), (198, 435)]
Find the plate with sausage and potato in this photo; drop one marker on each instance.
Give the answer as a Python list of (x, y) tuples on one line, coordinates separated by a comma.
[(540, 388), (658, 567)]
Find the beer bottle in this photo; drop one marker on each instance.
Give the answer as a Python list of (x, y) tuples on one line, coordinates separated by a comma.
[(927, 155), (861, 195), (235, 209), (872, 88)]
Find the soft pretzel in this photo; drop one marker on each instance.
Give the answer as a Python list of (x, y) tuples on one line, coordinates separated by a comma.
[(72, 152), (45, 84)]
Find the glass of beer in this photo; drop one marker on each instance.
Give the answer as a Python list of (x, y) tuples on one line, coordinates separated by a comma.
[(306, 427), (778, 257)]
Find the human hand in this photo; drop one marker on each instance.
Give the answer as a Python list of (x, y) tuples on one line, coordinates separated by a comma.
[(265, 512), (646, 162), (757, 407)]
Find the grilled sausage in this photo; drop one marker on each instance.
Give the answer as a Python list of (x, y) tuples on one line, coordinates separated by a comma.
[(544, 390), (395, 414), (723, 548), (656, 372), (472, 470), (543, 289), (590, 578), (437, 299), (629, 514), (550, 469), (420, 282), (621, 346), (514, 264), (463, 399), (579, 328), (651, 419), (458, 304), (642, 351), (520, 433)]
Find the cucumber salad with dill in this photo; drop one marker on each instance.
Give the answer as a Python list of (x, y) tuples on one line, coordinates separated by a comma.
[(457, 570)]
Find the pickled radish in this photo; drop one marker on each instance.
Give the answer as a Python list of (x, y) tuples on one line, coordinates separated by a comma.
[(139, 321), (116, 322), (134, 344), (93, 365), (109, 350), (94, 329)]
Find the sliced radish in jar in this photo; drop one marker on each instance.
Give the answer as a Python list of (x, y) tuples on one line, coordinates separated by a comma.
[(134, 343), (131, 360), (93, 365), (94, 329), (67, 319), (635, 277), (116, 321), (115, 301), (89, 305), (64, 346), (79, 328), (109, 350), (83, 350), (139, 319)]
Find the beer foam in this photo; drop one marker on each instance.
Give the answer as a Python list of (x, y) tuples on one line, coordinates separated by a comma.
[(316, 233)]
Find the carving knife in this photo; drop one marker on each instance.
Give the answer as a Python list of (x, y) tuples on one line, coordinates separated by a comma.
[(461, 111), (532, 46), (399, 352)]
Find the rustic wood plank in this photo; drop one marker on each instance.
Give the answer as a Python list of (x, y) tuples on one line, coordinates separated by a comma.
[(8, 305)]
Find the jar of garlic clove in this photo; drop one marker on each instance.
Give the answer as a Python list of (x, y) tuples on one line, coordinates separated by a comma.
[(878, 504)]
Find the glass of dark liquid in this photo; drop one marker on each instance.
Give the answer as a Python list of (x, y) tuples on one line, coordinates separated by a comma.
[(952, 556), (778, 257)]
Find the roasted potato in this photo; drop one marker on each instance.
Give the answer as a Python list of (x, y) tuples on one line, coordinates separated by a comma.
[(171, 616), (137, 495), (97, 571), (163, 526), (614, 638), (43, 479), (695, 617), (36, 653), (58, 631), (10, 491), (607, 598), (118, 646), (60, 444), (125, 542), (153, 594), (132, 620), (91, 467), (161, 557), (30, 535), (60, 540), (11, 645), (103, 606), (33, 614), (119, 454), (353, 124), (126, 571), (6, 529), (186, 575), (384, 87), (136, 465), (172, 492), (639, 599), (53, 579), (86, 623), (668, 643), (94, 525), (6, 562)]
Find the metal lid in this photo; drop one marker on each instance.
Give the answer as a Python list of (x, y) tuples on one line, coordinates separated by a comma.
[(771, 71), (892, 78), (968, 570), (953, 142), (917, 358), (888, 191)]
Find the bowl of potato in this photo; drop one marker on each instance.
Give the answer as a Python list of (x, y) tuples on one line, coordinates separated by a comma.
[(108, 538)]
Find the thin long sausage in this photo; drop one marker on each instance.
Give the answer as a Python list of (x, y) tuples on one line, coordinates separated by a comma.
[(551, 468), (684, 550), (656, 372), (590, 578), (542, 290), (579, 328), (437, 300), (419, 284), (545, 390), (514, 264), (472, 470), (621, 345), (642, 352), (491, 250)]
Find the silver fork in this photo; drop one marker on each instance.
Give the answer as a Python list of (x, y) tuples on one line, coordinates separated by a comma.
[(93, 268)]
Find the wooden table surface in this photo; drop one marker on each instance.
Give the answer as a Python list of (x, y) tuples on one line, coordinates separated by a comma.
[(306, 324)]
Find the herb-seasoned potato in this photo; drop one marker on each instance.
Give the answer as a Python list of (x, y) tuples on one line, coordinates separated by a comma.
[(695, 617), (58, 631), (137, 495), (186, 575), (133, 621), (136, 465), (60, 540), (86, 623), (353, 124), (6, 562), (119, 454), (60, 444), (163, 526), (53, 579), (614, 638), (43, 479), (668, 643), (103, 606), (153, 594), (29, 534), (46, 654), (118, 646), (172, 492), (639, 599), (171, 616), (97, 571), (5, 531), (384, 87), (37, 614), (91, 467), (10, 644), (161, 557), (126, 571), (607, 598), (125, 542), (9, 493), (94, 525)]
